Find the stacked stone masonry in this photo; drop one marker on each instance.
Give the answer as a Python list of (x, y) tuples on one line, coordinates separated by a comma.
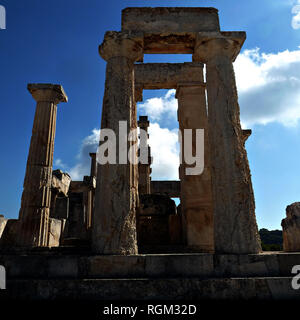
[(117, 215)]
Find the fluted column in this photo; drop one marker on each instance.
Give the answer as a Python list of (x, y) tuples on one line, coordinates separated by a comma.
[(196, 193), (36, 197), (116, 198), (235, 228)]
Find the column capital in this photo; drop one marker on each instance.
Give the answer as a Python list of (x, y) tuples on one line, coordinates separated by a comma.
[(122, 44), (213, 44), (143, 122), (45, 92)]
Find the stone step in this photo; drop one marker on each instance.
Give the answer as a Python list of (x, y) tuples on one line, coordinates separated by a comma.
[(53, 266), (260, 288)]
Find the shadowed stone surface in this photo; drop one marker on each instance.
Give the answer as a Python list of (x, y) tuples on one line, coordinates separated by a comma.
[(36, 197), (234, 208), (291, 228), (167, 75), (168, 19), (170, 188), (196, 193), (116, 197)]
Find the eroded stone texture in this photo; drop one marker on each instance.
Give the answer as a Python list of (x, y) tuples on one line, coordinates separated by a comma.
[(291, 228), (36, 197), (166, 75), (61, 182), (196, 194), (55, 232), (234, 208), (170, 19), (116, 197), (246, 134)]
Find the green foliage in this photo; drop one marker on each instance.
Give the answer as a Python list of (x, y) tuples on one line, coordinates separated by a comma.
[(271, 240)]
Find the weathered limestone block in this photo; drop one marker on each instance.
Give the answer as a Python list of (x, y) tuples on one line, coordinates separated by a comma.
[(55, 232), (3, 222), (166, 75), (235, 228), (61, 182), (196, 192), (36, 197), (168, 19), (291, 228), (116, 197)]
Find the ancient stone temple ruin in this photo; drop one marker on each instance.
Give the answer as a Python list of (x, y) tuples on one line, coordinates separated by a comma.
[(118, 223)]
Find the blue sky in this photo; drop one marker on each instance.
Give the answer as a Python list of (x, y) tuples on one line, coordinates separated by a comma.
[(57, 42)]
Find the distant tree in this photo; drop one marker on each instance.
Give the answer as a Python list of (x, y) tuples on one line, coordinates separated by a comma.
[(271, 240)]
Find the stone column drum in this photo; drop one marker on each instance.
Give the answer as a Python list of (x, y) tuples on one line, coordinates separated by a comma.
[(196, 193), (116, 198), (36, 197), (235, 228)]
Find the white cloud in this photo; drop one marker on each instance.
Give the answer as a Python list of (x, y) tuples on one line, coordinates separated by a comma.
[(269, 87), (59, 163), (296, 15), (269, 91), (165, 106), (82, 168), (163, 141), (165, 152)]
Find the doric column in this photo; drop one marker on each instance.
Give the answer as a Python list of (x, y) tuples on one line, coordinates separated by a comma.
[(144, 168), (36, 197), (196, 194), (235, 228), (116, 198)]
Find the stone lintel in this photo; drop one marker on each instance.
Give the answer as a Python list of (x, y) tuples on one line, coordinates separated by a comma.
[(210, 44), (171, 188), (169, 42), (170, 19), (47, 92), (122, 44), (167, 75)]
